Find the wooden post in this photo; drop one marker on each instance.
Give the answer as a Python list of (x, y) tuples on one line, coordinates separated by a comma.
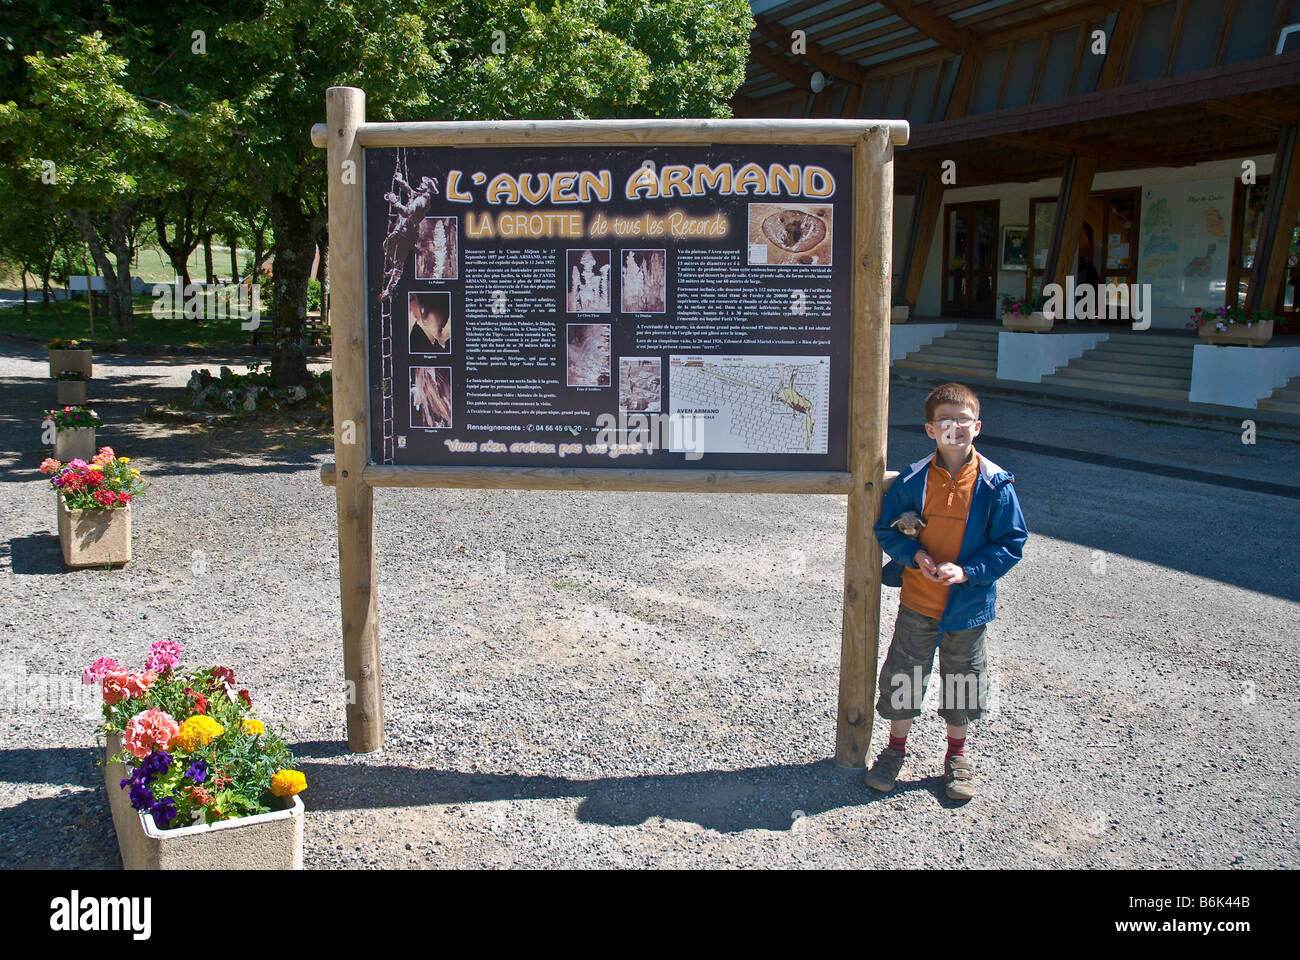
[(1071, 205), (1269, 271), (345, 111), (873, 174)]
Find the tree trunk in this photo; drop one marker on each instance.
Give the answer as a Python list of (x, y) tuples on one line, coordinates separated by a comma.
[(120, 313), (234, 258), (182, 243), (207, 258), (295, 247), (23, 269), (322, 269)]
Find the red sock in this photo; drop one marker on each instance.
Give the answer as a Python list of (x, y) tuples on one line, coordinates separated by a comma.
[(898, 743), (956, 748)]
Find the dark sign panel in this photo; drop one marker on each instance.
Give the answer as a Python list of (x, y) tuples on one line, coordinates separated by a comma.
[(632, 307)]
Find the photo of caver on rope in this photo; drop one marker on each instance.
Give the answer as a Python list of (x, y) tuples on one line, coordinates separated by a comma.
[(406, 230)]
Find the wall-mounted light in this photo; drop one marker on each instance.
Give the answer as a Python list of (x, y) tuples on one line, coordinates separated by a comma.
[(818, 82)]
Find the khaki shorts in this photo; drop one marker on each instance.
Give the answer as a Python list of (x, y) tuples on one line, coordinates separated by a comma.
[(963, 670)]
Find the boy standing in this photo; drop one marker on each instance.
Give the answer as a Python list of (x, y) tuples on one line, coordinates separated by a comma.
[(974, 533)]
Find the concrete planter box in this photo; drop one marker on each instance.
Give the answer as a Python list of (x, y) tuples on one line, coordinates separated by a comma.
[(61, 360), (72, 393), (95, 538), (268, 841), (1237, 334), (899, 314), (74, 444), (1027, 323)]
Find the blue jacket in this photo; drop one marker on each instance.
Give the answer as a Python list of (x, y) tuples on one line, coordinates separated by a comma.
[(992, 544)]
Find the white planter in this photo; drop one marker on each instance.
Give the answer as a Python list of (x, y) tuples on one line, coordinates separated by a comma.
[(74, 444), (72, 393), (95, 538), (1028, 323), (267, 841), (899, 314), (61, 360)]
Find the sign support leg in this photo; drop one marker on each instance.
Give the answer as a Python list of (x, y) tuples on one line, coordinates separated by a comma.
[(345, 110), (873, 173)]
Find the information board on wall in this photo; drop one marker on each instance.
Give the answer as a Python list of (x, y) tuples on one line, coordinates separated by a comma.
[(630, 307)]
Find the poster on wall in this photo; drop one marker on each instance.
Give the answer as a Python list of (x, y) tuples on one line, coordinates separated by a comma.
[(1183, 243), (630, 307)]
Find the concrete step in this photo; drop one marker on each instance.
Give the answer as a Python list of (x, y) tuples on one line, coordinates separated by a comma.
[(1105, 374), (1090, 361), (1145, 387), (959, 348), (949, 370), (1111, 348), (960, 359), (1280, 406)]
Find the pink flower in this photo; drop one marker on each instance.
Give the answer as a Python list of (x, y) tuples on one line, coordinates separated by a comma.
[(105, 453), (149, 730), (164, 655), (125, 685), (78, 464), (95, 672), (49, 465)]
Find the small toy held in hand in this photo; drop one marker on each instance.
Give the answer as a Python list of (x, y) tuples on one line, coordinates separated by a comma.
[(909, 524)]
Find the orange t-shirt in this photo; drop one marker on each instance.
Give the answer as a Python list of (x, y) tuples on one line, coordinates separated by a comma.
[(947, 502)]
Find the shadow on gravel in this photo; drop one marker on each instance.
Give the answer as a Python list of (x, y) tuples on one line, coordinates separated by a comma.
[(162, 449), (72, 830), (38, 553), (728, 801), (1174, 516)]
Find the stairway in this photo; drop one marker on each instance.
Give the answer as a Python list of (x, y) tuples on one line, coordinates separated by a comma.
[(1285, 399), (966, 352), (1149, 365)]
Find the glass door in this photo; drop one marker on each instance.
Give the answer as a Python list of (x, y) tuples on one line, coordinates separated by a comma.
[(970, 241)]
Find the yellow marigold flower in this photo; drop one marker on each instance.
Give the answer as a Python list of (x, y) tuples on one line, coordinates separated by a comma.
[(286, 783), (255, 727), (96, 466), (197, 731), (123, 459)]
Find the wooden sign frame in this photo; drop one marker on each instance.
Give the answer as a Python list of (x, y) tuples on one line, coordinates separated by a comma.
[(354, 476)]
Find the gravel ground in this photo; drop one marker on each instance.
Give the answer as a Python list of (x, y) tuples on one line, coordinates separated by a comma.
[(649, 680)]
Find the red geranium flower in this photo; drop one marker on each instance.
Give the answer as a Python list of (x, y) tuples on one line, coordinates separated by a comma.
[(247, 698)]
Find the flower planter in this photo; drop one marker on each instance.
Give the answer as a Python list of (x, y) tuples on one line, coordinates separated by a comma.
[(899, 314), (61, 360), (1027, 322), (74, 444), (267, 841), (1238, 334), (94, 538), (72, 393)]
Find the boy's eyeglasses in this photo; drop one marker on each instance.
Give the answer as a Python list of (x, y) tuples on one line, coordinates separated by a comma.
[(948, 424)]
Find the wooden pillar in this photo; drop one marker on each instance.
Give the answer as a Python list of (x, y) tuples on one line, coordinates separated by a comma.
[(1268, 272), (345, 110), (1071, 205), (928, 205), (925, 217), (873, 175)]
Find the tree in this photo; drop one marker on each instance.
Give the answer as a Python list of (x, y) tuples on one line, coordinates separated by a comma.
[(88, 144)]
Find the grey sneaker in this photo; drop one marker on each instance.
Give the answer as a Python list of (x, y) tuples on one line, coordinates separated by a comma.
[(958, 778), (884, 772)]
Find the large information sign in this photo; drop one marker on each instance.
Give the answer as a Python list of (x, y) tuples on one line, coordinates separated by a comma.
[(588, 306)]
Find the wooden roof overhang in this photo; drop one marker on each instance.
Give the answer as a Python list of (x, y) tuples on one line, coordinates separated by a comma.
[(1218, 114)]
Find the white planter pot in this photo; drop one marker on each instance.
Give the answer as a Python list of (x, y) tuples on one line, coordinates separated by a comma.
[(267, 841), (61, 360), (95, 538), (72, 393), (1027, 323), (74, 444), (899, 314)]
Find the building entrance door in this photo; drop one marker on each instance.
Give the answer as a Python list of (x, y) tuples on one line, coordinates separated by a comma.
[(970, 246)]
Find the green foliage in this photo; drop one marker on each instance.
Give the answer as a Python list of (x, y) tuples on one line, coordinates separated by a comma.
[(314, 292)]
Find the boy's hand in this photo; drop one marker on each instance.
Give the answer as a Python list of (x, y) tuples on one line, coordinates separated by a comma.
[(926, 564), (949, 573)]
